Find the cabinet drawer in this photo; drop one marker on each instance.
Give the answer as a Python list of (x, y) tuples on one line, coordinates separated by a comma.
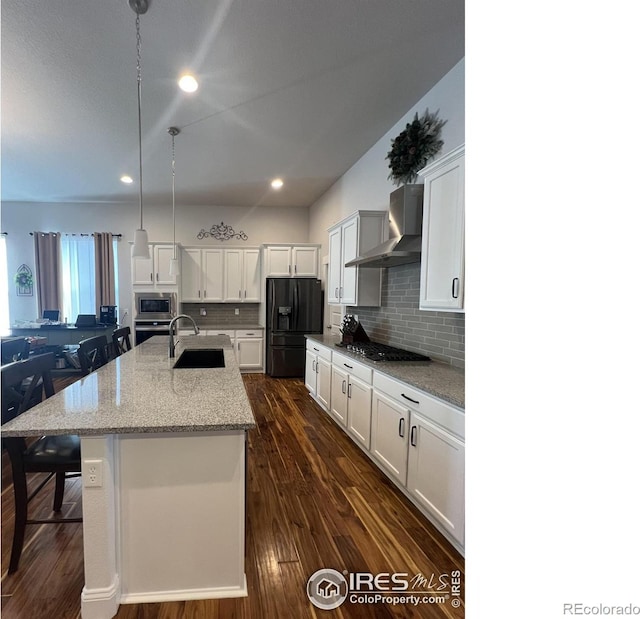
[(353, 367), (248, 332), (318, 349), (446, 416), (230, 332)]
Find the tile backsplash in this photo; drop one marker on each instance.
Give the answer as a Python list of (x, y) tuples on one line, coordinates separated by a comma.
[(220, 314), (399, 322)]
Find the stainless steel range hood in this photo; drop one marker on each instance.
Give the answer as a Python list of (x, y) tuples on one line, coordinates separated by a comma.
[(405, 229)]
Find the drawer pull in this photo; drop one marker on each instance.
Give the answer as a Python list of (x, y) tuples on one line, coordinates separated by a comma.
[(249, 334), (316, 349), (406, 397), (348, 366), (413, 443), (401, 427)]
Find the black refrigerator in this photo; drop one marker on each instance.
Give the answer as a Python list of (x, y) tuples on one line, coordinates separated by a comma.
[(294, 307)]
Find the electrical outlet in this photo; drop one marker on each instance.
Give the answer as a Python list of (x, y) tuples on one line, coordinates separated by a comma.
[(203, 311), (92, 473), (237, 312)]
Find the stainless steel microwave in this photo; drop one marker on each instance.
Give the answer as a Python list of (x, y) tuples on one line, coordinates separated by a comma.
[(155, 305)]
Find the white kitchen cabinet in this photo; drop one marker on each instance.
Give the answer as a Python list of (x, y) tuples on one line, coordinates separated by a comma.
[(419, 442), (351, 397), (348, 239), (435, 475), (202, 275), (291, 260), (317, 375), (249, 346), (242, 276), (390, 435), (153, 271), (442, 264)]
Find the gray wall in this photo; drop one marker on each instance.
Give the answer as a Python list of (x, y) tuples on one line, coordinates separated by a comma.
[(399, 323)]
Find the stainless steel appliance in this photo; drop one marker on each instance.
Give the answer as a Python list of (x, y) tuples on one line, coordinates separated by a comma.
[(382, 352), (294, 307), (155, 305), (405, 231), (154, 312)]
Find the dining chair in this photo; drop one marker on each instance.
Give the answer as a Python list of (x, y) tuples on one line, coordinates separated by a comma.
[(93, 353), (58, 456), (15, 349), (121, 340)]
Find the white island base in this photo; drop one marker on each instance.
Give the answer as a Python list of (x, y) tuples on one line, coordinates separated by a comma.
[(167, 522)]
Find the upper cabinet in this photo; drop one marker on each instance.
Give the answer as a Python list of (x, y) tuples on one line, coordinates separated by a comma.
[(202, 273), (349, 239), (220, 275), (442, 266), (153, 271), (242, 275), (291, 260)]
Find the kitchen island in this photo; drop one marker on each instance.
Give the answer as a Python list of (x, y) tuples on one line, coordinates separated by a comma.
[(165, 452)]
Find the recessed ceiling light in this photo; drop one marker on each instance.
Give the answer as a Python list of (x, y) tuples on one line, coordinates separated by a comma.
[(276, 183), (188, 83), (126, 179)]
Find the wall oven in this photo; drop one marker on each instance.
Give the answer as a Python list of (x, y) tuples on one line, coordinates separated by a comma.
[(154, 312)]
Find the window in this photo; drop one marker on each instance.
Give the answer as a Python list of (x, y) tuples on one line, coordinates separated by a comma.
[(79, 276)]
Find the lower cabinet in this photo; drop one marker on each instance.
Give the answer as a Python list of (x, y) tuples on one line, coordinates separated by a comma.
[(351, 397), (249, 346), (435, 476), (317, 375), (389, 435)]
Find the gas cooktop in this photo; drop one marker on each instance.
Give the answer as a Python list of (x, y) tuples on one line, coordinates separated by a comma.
[(381, 352)]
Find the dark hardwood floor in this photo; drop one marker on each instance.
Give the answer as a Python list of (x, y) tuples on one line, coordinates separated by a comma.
[(314, 500)]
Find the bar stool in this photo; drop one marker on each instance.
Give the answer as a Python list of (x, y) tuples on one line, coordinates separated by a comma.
[(121, 340), (93, 353)]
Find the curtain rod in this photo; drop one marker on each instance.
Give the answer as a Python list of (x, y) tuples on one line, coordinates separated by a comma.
[(73, 234)]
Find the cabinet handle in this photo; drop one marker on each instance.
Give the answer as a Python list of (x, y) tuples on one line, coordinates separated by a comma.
[(344, 386), (337, 295), (313, 365), (454, 288), (348, 366), (289, 269), (341, 289), (295, 268), (413, 444), (205, 293), (349, 390), (157, 278), (401, 427), (406, 397), (249, 334), (317, 367), (198, 294), (239, 294), (245, 294), (151, 276), (316, 349)]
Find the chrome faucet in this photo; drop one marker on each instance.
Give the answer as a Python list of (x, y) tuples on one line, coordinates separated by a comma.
[(172, 327)]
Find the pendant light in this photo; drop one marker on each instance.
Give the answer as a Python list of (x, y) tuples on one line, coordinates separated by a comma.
[(174, 266), (140, 237)]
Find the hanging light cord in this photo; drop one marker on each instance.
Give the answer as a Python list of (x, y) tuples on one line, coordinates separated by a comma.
[(139, 67), (173, 189)]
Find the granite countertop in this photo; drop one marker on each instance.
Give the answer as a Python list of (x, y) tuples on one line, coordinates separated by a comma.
[(435, 378), (140, 392)]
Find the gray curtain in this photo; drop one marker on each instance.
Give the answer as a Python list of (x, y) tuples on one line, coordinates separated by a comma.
[(48, 270), (105, 270)]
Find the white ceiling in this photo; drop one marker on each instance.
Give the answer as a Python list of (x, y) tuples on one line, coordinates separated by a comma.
[(292, 88)]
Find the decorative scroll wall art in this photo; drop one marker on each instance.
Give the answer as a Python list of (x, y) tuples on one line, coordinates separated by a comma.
[(24, 281), (222, 233)]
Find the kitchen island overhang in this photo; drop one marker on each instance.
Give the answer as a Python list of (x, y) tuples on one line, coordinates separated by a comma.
[(167, 522)]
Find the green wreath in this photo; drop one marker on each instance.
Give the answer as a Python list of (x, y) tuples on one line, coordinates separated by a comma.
[(24, 280), (415, 147)]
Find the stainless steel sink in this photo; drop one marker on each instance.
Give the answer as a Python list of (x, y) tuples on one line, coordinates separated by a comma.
[(200, 358)]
